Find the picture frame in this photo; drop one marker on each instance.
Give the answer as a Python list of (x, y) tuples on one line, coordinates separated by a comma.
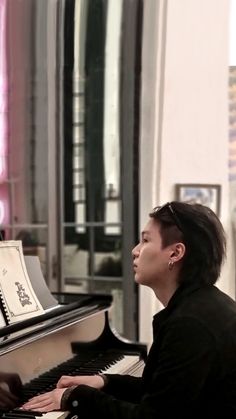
[(201, 193)]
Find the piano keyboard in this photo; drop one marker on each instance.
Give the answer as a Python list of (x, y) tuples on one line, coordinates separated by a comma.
[(109, 362)]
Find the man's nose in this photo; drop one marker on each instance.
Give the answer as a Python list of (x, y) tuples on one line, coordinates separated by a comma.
[(135, 251)]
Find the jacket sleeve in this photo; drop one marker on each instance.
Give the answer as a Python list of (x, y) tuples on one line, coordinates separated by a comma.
[(124, 387), (180, 366)]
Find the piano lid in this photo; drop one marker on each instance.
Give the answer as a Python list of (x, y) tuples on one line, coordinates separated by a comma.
[(72, 308)]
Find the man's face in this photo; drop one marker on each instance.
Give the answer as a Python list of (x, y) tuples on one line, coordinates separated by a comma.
[(150, 260)]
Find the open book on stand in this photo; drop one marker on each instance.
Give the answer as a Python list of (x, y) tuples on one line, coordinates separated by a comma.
[(19, 299)]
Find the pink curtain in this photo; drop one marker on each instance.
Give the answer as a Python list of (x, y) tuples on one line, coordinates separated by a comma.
[(4, 195)]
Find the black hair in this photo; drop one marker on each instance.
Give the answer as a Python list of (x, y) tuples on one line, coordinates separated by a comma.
[(199, 228)]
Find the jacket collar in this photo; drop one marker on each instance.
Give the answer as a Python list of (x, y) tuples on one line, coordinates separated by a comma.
[(180, 294)]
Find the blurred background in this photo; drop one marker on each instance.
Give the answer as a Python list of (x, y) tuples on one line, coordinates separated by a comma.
[(107, 109)]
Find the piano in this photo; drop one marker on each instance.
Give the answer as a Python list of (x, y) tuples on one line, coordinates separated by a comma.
[(73, 338)]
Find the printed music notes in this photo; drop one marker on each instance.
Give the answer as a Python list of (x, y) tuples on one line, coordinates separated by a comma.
[(18, 298)]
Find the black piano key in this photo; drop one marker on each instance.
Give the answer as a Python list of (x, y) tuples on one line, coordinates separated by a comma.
[(9, 416), (27, 412), (13, 416), (21, 415)]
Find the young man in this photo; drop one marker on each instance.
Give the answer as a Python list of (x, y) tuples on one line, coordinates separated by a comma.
[(191, 367)]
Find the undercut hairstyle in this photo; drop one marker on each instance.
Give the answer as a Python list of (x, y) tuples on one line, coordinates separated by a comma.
[(199, 228)]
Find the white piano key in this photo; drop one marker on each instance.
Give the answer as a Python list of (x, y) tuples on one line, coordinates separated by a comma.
[(122, 366), (54, 415)]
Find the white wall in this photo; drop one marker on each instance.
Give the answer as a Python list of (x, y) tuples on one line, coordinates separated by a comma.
[(232, 33), (184, 135)]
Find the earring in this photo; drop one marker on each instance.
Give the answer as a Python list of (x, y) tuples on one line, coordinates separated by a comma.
[(170, 265)]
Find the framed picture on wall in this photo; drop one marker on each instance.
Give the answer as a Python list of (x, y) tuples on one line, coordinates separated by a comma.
[(206, 194)]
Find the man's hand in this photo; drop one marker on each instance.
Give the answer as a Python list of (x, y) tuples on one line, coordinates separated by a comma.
[(94, 381), (45, 402), (52, 400)]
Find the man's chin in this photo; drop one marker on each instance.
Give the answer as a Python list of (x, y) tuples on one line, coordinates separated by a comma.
[(137, 279)]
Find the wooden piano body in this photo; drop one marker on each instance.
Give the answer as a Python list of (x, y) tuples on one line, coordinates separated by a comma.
[(74, 338)]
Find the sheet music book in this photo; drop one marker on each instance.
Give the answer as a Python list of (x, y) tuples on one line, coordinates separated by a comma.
[(47, 300), (18, 298)]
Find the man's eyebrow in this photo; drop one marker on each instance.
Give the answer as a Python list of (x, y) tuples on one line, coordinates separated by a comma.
[(144, 232)]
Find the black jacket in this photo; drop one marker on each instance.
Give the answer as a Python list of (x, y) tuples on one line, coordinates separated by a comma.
[(191, 367)]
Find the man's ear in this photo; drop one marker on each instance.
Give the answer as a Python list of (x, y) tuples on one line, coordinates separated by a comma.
[(178, 251)]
